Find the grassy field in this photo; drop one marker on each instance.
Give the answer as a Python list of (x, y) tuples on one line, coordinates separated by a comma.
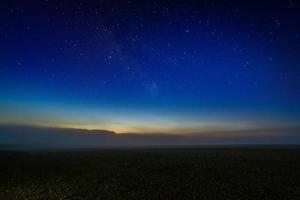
[(204, 173)]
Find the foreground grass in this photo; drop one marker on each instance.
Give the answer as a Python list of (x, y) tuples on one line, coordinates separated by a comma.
[(254, 173)]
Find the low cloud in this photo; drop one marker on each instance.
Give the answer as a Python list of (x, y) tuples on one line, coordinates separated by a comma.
[(30, 137)]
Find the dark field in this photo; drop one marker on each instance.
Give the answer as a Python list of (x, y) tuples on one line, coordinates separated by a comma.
[(204, 173)]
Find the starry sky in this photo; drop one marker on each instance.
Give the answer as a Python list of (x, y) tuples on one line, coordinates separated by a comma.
[(162, 66)]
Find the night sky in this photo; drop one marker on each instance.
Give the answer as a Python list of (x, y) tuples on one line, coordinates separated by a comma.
[(173, 67)]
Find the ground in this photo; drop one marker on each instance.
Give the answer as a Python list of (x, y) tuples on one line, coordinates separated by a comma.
[(183, 173)]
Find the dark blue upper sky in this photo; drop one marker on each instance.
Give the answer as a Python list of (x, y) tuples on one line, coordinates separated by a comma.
[(146, 65)]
